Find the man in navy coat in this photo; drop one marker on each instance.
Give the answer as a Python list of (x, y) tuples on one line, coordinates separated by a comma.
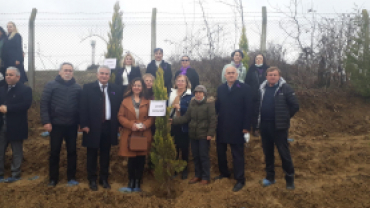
[(234, 109), (15, 100), (100, 102)]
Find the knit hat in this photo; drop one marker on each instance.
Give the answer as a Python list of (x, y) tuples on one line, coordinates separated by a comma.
[(201, 88)]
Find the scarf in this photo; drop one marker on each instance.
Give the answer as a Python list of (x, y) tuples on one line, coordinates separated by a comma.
[(184, 70)]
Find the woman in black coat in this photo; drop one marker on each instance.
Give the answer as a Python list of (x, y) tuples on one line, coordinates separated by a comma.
[(153, 67), (189, 72), (127, 72), (255, 76), (12, 52)]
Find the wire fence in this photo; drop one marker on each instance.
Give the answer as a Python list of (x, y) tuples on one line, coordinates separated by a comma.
[(61, 37)]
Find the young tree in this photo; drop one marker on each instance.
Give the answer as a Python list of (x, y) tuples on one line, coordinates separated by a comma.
[(163, 152), (115, 36), (243, 45), (358, 57)]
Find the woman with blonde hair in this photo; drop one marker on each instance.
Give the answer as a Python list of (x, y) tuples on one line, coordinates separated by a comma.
[(179, 100), (12, 54), (127, 72)]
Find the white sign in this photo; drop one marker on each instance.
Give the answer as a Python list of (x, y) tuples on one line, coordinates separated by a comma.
[(157, 108), (111, 63)]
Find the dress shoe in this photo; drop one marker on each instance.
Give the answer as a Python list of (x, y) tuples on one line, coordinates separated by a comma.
[(184, 174), (194, 180), (104, 183), (238, 186), (93, 186), (204, 182), (289, 182), (52, 183), (220, 177)]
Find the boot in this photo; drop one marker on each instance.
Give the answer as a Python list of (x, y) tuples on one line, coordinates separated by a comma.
[(137, 186), (289, 182)]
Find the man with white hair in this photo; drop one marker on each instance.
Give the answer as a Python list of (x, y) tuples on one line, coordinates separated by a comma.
[(234, 109), (100, 102), (15, 100), (59, 108)]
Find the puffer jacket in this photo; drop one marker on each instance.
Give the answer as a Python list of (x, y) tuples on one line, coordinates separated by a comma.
[(60, 102), (286, 104), (201, 117)]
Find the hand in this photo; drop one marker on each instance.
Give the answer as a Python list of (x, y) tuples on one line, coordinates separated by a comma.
[(48, 127), (86, 129), (209, 137), (133, 128), (17, 62), (245, 131), (177, 106), (3, 109), (143, 129)]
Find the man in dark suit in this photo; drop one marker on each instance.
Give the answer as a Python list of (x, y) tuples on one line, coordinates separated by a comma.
[(15, 100), (234, 109), (100, 102)]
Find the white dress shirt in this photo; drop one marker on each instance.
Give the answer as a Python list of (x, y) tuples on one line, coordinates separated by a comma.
[(125, 74), (107, 101)]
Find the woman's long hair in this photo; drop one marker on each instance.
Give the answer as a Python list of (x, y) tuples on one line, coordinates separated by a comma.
[(15, 31), (129, 91), (123, 62), (4, 35)]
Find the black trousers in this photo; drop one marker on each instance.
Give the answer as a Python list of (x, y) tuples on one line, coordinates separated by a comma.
[(135, 167), (237, 151), (202, 163), (104, 155), (270, 137), (69, 134)]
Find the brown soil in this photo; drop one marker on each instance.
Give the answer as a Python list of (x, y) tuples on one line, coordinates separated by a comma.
[(331, 153)]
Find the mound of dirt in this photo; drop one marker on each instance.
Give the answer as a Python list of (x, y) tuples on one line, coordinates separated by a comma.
[(331, 154)]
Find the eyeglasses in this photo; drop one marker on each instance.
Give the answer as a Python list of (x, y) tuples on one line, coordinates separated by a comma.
[(184, 60)]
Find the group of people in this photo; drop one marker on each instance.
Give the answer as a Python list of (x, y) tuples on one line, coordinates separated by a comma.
[(257, 100)]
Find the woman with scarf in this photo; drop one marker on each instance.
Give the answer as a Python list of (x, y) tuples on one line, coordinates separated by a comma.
[(12, 52), (189, 72), (237, 57), (255, 77)]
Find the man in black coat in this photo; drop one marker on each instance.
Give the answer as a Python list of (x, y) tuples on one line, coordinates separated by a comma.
[(278, 104), (256, 75), (234, 109), (100, 102), (59, 109), (15, 100), (153, 67)]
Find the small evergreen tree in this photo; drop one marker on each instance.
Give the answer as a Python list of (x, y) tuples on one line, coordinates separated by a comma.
[(163, 152), (243, 45), (115, 36), (358, 57)]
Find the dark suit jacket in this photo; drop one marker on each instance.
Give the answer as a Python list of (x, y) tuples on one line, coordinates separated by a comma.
[(18, 100), (167, 73), (91, 109), (135, 72), (234, 108), (192, 76)]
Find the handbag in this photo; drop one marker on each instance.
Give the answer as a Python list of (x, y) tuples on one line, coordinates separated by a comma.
[(138, 143)]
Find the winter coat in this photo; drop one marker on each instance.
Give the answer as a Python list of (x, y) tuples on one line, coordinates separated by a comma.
[(254, 80), (91, 108), (242, 71), (135, 72), (201, 118), (286, 104), (127, 117), (18, 100), (60, 102), (184, 104), (167, 73), (192, 76), (234, 110), (13, 51)]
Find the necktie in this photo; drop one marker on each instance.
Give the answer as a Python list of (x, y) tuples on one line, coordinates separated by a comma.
[(103, 94)]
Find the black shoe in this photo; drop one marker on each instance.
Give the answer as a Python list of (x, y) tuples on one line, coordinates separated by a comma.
[(52, 183), (220, 177), (238, 186), (184, 174), (93, 186), (289, 182), (104, 183)]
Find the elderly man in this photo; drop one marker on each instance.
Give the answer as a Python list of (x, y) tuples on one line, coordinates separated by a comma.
[(100, 102), (59, 110), (233, 106), (15, 100), (278, 104)]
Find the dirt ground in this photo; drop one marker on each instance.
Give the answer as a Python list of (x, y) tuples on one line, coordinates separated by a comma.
[(331, 154)]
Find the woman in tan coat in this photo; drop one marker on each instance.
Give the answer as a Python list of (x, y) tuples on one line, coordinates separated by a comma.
[(133, 116)]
